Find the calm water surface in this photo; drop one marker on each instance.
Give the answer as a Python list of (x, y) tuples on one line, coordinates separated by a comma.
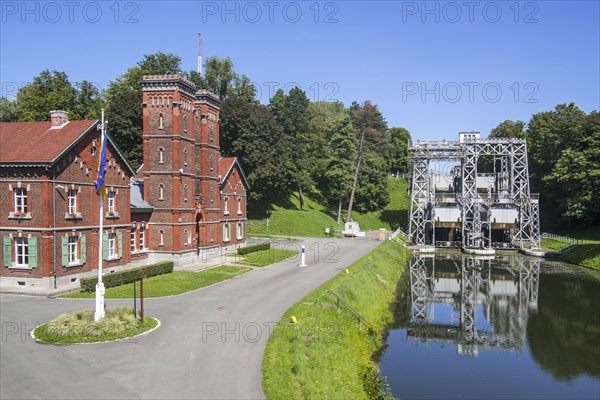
[(507, 327)]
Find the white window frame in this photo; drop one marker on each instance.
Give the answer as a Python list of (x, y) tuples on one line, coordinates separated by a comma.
[(72, 201), (110, 199), (226, 232), (72, 245), (142, 238), (161, 159), (21, 252), (112, 246), (161, 238), (239, 208), (239, 230), (20, 194), (226, 211), (132, 240), (161, 191)]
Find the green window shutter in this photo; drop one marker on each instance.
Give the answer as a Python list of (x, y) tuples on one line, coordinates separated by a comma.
[(7, 251), (105, 246), (65, 250), (33, 256), (82, 249), (120, 243)]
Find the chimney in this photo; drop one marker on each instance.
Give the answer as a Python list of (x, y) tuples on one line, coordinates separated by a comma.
[(58, 119)]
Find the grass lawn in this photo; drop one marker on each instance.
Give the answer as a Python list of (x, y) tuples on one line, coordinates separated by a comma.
[(168, 284), (552, 245), (587, 254), (286, 218), (326, 354), (80, 327), (266, 257)]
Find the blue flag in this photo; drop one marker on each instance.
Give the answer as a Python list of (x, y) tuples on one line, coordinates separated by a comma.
[(100, 183)]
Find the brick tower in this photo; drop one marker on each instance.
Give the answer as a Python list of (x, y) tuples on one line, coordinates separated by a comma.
[(181, 166)]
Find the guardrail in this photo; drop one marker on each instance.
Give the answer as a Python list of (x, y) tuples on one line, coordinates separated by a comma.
[(359, 318), (560, 238)]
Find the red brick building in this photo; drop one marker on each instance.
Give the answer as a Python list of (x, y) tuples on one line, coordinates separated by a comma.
[(185, 203), (48, 205), (198, 198)]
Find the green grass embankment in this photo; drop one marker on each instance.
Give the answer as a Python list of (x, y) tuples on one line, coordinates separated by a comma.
[(586, 253), (326, 354), (169, 284), (286, 218)]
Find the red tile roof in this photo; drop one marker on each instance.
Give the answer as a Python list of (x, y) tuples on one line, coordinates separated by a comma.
[(225, 165), (35, 142)]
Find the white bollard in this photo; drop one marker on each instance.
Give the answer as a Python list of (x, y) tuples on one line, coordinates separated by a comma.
[(303, 258)]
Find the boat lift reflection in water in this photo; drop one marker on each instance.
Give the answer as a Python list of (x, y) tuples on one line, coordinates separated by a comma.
[(480, 303)]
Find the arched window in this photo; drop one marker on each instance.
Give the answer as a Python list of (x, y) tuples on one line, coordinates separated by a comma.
[(226, 209), (160, 121), (185, 156), (185, 192), (240, 231), (161, 191), (161, 155), (161, 238), (239, 210)]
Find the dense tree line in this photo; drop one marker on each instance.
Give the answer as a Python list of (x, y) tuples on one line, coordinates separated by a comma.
[(342, 155), (564, 162)]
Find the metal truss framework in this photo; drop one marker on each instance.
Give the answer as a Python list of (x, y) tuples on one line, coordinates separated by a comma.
[(511, 188)]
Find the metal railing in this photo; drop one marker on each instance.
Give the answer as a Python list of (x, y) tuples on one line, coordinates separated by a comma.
[(359, 318), (559, 238)]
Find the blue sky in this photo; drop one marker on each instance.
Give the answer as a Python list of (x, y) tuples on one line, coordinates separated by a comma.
[(435, 68)]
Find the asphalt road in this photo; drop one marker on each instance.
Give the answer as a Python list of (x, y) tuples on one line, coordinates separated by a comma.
[(210, 344)]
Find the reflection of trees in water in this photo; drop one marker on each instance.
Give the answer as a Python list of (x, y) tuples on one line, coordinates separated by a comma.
[(564, 336)]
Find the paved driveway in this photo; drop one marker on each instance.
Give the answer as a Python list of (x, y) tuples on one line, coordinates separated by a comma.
[(210, 344)]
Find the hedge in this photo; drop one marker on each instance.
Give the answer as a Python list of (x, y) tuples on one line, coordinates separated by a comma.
[(128, 276), (254, 248)]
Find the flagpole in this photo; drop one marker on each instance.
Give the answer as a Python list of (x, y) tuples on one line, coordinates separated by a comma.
[(100, 285)]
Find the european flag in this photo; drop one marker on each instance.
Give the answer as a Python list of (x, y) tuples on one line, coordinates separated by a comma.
[(100, 184)]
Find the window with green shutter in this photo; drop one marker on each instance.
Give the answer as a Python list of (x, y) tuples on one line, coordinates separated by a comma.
[(65, 251), (83, 251), (33, 254), (120, 243), (7, 251), (105, 246)]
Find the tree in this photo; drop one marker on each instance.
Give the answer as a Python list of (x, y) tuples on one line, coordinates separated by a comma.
[(397, 156), (48, 91), (250, 132), (372, 193), (369, 125), (572, 185), (509, 129), (334, 170), (292, 113), (8, 110), (53, 91), (221, 79), (124, 96)]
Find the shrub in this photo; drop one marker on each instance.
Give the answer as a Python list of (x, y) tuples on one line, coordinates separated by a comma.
[(254, 248), (128, 276)]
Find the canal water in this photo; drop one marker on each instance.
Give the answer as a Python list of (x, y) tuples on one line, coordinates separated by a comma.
[(505, 327)]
